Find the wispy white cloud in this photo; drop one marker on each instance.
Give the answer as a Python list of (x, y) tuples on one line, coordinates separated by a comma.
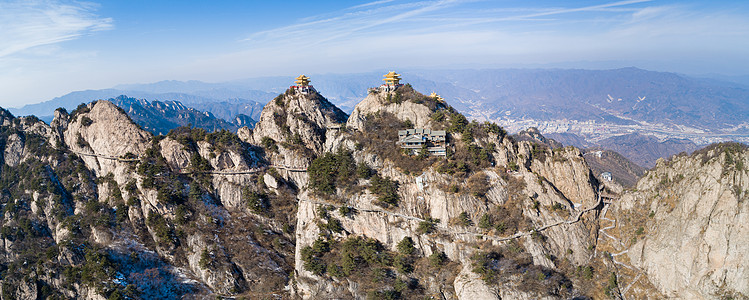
[(691, 37), (373, 3), (533, 14), (28, 24), (389, 17), (328, 27), (481, 33), (392, 19), (599, 7)]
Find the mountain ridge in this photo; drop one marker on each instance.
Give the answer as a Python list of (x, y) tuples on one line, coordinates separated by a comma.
[(161, 117), (101, 211), (595, 104), (73, 99)]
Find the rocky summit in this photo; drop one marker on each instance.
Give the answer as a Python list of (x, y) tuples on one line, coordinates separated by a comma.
[(314, 204)]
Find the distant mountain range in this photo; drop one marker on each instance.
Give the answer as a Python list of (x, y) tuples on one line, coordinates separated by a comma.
[(645, 150), (620, 96), (224, 103), (584, 108), (161, 117)]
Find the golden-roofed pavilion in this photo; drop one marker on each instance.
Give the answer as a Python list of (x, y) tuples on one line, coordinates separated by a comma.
[(392, 78), (436, 97), (302, 80)]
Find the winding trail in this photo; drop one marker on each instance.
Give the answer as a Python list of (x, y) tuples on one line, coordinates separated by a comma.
[(489, 236), (624, 291), (120, 159), (290, 169), (602, 231), (186, 171), (603, 235), (517, 235)]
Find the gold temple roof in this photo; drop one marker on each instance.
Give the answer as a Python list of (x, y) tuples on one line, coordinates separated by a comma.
[(302, 80), (436, 97), (392, 78)]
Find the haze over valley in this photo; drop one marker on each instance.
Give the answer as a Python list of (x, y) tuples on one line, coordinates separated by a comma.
[(576, 107)]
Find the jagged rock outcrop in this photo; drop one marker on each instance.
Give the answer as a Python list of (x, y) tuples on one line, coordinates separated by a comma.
[(6, 117), (242, 120), (102, 128), (304, 206), (394, 102), (534, 135), (293, 129), (24, 134), (110, 210), (566, 169), (294, 114), (691, 214), (175, 154), (14, 151)]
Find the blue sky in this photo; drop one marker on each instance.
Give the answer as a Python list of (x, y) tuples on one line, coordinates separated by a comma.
[(52, 47)]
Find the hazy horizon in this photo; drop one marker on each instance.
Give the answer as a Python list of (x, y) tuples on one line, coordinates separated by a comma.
[(56, 47)]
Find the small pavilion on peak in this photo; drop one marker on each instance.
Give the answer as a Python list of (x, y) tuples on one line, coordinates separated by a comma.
[(392, 81), (302, 84), (302, 80), (437, 97), (392, 78)]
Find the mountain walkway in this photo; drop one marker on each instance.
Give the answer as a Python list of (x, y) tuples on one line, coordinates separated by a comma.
[(618, 243), (369, 210), (517, 235), (488, 236), (187, 171), (120, 159)]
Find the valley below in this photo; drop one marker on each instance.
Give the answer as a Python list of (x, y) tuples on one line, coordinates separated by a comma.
[(593, 132)]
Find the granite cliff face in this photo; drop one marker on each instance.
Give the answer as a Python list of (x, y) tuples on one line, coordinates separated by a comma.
[(293, 129), (96, 207), (508, 195), (693, 213), (102, 128), (393, 103), (313, 204)]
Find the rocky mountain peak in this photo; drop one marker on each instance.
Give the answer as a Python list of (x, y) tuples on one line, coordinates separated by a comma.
[(5, 117), (297, 120), (343, 211), (404, 103), (102, 128), (534, 135), (243, 120), (25, 136)]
